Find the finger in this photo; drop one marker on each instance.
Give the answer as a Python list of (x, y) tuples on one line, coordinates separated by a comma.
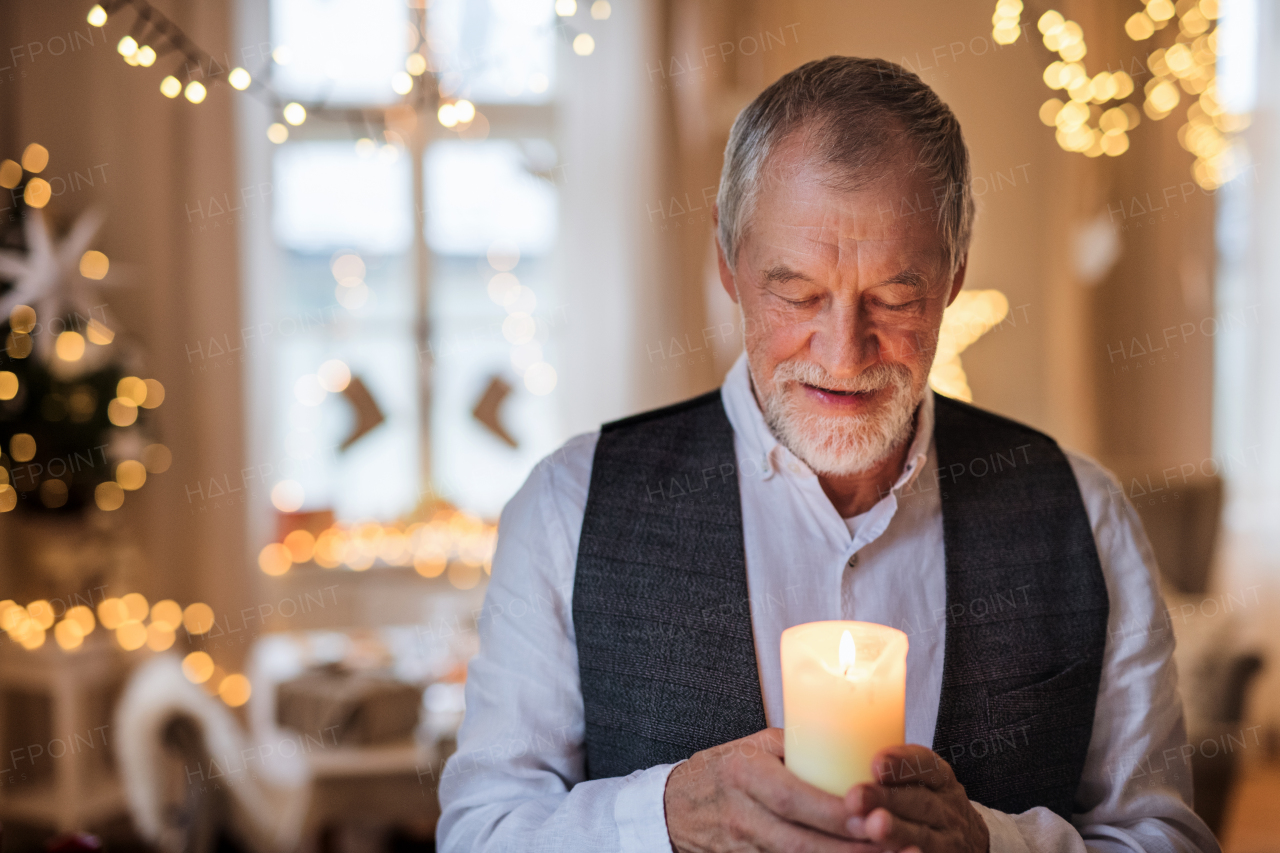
[(895, 833), (911, 764), (913, 802), (772, 740), (775, 836), (784, 794)]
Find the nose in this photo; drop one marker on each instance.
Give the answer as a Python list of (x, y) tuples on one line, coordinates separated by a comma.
[(843, 342)]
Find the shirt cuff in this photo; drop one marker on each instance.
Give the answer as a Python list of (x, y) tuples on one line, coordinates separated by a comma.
[(1003, 829), (640, 811)]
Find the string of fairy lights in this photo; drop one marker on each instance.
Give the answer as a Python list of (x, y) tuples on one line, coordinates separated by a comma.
[(134, 623), (153, 37), (1183, 70)]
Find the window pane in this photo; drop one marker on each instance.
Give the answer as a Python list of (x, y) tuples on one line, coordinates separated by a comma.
[(332, 203), (483, 194), (340, 51), (329, 197), (500, 51)]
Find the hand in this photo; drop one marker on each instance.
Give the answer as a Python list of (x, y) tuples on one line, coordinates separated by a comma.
[(741, 797), (917, 806)]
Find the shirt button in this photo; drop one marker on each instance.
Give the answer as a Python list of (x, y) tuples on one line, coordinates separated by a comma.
[(853, 562)]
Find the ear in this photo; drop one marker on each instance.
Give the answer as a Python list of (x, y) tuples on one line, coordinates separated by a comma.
[(958, 282), (726, 272)]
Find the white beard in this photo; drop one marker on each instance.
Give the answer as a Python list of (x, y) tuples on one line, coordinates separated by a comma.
[(838, 445)]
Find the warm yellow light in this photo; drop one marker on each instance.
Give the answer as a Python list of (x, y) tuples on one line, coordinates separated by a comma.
[(1160, 10), (83, 617), (1006, 33), (37, 193), (274, 559), (1115, 142), (171, 87), (131, 635), (146, 56), (1164, 96), (235, 690), (197, 667), (35, 157), (973, 314), (239, 79), (334, 376), (167, 612), (154, 394), (295, 113), (1123, 83), (108, 496), (10, 174), (22, 447), (97, 15), (197, 618), (157, 458), (601, 10), (69, 635), (277, 133), (160, 637), (416, 64), (41, 613), (32, 638), (430, 567), (1050, 20), (447, 115), (8, 385), (465, 111), (53, 493), (301, 545), (112, 613), (94, 264), (135, 604), (566, 8), (122, 411), (132, 388), (401, 83), (1209, 8), (196, 92), (127, 46), (22, 318), (69, 346), (584, 44), (131, 475)]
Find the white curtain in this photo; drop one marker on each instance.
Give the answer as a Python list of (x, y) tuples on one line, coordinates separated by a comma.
[(1247, 374)]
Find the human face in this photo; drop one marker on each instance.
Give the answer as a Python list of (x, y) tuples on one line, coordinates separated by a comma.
[(842, 296)]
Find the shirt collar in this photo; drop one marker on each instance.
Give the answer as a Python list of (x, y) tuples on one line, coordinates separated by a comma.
[(770, 457)]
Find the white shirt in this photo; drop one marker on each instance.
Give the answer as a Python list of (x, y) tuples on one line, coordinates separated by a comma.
[(516, 782)]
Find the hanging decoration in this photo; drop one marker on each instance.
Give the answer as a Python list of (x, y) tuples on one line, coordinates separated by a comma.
[(72, 413), (1184, 69)]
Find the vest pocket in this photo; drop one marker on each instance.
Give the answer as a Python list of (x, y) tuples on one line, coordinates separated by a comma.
[(1064, 691)]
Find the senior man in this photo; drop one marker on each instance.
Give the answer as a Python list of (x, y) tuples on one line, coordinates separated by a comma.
[(627, 693)]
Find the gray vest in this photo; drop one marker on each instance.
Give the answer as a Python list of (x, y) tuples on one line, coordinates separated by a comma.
[(666, 653)]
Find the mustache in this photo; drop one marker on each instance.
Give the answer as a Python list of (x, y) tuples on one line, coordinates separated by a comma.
[(875, 378)]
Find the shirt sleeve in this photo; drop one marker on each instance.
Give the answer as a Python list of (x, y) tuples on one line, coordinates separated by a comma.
[(517, 781), (1135, 792)]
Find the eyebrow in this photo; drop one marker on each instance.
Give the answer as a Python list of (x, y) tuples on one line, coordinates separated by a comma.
[(911, 278), (782, 272)]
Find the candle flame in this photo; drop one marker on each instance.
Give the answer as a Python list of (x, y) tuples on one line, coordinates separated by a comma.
[(848, 652)]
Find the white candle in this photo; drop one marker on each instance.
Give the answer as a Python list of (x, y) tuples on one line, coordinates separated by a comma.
[(844, 690)]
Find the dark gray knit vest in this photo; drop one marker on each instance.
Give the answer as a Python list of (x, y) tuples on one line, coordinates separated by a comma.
[(663, 622)]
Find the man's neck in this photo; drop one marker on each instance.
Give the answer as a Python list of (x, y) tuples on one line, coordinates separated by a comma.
[(854, 494)]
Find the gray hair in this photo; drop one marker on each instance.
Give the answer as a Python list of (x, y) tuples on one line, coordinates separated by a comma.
[(859, 113)]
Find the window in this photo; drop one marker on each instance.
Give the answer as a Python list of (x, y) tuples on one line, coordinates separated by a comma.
[(413, 245)]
